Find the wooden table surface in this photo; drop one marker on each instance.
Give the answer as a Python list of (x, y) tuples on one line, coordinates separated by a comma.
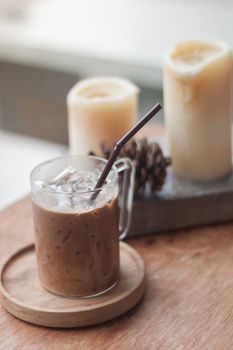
[(188, 302)]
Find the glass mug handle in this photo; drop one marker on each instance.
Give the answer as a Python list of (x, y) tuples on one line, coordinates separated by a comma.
[(126, 191)]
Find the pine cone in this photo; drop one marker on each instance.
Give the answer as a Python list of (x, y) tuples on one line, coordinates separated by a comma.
[(150, 164)]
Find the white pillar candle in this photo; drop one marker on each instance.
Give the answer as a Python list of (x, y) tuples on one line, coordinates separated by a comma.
[(100, 110), (197, 101)]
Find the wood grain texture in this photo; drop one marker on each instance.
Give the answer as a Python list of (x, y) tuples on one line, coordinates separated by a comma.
[(188, 303), (22, 295)]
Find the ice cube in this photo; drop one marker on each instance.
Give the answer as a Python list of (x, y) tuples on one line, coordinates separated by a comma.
[(65, 202), (48, 199), (65, 187), (63, 176)]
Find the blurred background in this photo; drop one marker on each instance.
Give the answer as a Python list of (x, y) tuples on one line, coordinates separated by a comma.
[(46, 46)]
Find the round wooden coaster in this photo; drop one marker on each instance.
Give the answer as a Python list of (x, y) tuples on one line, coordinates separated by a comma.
[(22, 295)]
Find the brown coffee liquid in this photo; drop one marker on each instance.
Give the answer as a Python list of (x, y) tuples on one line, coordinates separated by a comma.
[(77, 253)]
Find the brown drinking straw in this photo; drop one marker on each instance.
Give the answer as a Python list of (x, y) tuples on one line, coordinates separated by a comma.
[(119, 144)]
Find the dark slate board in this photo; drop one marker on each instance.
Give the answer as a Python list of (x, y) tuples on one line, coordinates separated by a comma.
[(183, 204)]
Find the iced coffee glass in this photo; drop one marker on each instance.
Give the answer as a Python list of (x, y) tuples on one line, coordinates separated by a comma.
[(76, 237)]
